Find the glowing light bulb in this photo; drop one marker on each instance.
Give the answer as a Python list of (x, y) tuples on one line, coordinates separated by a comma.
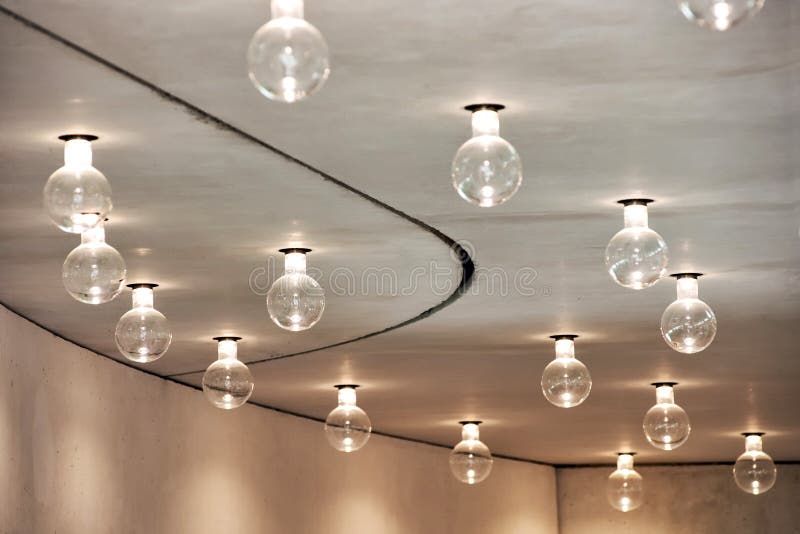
[(688, 325), (470, 460), (227, 383), (143, 334), (624, 489), (754, 471), (719, 15), (77, 196), (347, 427), (566, 381), (486, 170), (636, 257), (666, 425), (94, 272), (295, 301), (287, 59)]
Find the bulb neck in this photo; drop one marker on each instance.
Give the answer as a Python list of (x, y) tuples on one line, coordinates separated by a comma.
[(227, 349), (78, 154), (565, 348), (635, 216), (625, 461), (94, 235), (753, 443), (287, 8), (665, 395), (485, 122), (469, 431), (721, 11), (687, 288), (143, 297), (295, 263), (347, 396)]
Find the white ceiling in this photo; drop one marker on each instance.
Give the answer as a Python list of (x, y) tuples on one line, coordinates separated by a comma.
[(604, 102)]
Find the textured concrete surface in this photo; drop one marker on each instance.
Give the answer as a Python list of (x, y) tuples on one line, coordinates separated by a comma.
[(605, 100), (89, 446), (680, 499)]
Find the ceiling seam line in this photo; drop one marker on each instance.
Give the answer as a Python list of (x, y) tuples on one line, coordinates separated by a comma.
[(467, 264), (222, 124), (262, 406), (376, 432)]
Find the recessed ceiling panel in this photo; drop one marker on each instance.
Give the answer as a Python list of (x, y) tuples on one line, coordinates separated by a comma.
[(200, 210)]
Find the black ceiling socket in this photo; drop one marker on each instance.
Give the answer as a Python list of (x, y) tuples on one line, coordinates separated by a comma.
[(85, 137), (478, 107), (136, 286), (635, 201)]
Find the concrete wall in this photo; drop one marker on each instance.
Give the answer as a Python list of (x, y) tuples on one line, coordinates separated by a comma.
[(90, 446), (679, 499)]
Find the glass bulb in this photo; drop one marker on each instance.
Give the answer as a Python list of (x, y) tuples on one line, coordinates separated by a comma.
[(754, 471), (143, 334), (295, 301), (288, 58), (486, 170), (666, 425), (471, 461), (566, 381), (636, 257), (94, 272), (719, 15), (227, 382), (624, 489), (347, 427), (77, 196), (688, 325)]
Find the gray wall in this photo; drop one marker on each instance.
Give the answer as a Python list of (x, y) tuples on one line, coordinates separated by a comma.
[(679, 499), (90, 446)]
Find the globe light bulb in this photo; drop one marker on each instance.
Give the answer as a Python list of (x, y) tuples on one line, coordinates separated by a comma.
[(287, 59), (227, 382), (486, 170), (143, 334), (94, 272), (77, 196), (566, 381), (624, 489), (636, 257), (470, 460), (688, 325), (295, 301), (666, 424), (754, 471), (347, 427), (719, 15)]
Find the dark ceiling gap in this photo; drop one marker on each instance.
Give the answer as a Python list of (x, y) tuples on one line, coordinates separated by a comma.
[(467, 265)]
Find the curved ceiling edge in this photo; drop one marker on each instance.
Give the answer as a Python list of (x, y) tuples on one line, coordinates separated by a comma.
[(374, 431), (467, 270), (467, 264)]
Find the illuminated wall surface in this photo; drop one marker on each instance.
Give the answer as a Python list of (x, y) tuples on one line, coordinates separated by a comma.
[(90, 446), (680, 499)]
